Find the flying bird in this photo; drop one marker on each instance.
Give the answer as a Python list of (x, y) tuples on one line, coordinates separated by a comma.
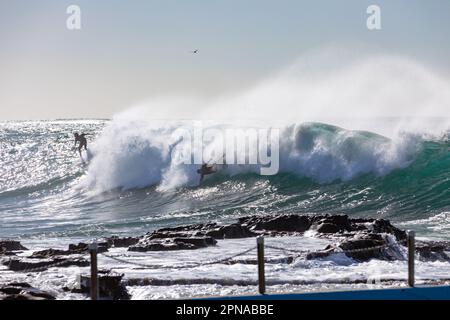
[(195, 51)]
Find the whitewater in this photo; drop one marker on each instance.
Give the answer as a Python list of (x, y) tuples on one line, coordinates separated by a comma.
[(342, 150)]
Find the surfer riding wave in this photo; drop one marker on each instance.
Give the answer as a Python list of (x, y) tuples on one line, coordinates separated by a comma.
[(206, 170), (81, 138)]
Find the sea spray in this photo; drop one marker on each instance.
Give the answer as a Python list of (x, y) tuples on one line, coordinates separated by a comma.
[(135, 154)]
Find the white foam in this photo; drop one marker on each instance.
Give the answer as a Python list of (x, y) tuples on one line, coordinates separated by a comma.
[(137, 153), (335, 272)]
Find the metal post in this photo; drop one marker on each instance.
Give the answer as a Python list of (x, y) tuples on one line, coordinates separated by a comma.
[(411, 256), (93, 247), (261, 275)]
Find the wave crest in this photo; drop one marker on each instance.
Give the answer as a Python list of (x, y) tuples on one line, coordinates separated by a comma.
[(136, 154)]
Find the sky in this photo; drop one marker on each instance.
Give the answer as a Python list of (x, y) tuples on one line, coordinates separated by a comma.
[(132, 51)]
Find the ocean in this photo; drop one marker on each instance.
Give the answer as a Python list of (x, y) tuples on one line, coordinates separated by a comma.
[(127, 184)]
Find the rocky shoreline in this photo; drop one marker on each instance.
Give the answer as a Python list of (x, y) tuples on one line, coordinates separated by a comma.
[(351, 236)]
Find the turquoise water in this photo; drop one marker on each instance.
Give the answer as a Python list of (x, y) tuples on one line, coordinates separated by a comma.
[(47, 191)]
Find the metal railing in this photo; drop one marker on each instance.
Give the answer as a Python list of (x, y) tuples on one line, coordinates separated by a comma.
[(261, 260)]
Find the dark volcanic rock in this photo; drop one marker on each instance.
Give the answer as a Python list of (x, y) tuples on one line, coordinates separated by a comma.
[(352, 233), (180, 238), (110, 286), (23, 266), (119, 242), (332, 224), (433, 250), (161, 246), (81, 248), (158, 234), (385, 226), (326, 224), (328, 228), (23, 291), (300, 223), (233, 231), (198, 242), (368, 243), (192, 227), (10, 245), (320, 253), (188, 243), (361, 247), (48, 253), (270, 225), (84, 248), (4, 252), (279, 223), (196, 230)]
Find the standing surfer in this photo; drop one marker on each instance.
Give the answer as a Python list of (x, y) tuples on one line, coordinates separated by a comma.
[(81, 138)]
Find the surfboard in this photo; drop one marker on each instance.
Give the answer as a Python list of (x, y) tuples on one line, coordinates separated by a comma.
[(85, 156)]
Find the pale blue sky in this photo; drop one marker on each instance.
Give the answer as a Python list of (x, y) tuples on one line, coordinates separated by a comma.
[(129, 51)]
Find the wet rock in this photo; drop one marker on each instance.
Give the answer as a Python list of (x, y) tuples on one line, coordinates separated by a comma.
[(279, 223), (171, 234), (287, 260), (328, 250), (23, 291), (195, 230), (190, 243), (7, 246), (118, 242), (81, 248), (4, 252), (161, 246), (361, 247), (300, 223), (84, 247), (385, 226), (368, 244), (48, 253), (270, 225), (233, 231), (328, 228), (198, 242), (433, 250), (332, 224), (24, 266), (193, 227), (110, 286)]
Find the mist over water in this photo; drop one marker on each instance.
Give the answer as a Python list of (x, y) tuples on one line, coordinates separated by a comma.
[(327, 86)]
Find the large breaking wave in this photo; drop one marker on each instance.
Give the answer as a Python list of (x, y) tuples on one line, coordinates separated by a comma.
[(137, 154)]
